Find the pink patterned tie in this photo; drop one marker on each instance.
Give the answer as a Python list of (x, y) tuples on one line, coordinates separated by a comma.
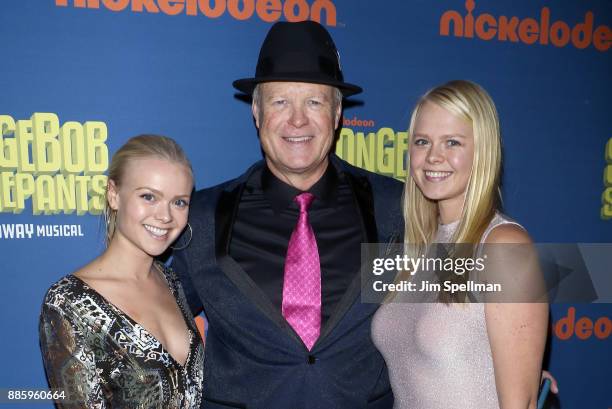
[(302, 284)]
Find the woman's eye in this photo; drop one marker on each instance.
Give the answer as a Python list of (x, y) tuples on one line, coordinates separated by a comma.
[(420, 142), (453, 142), (181, 203), (148, 197)]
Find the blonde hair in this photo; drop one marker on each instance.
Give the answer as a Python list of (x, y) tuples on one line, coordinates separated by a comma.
[(138, 147), (473, 104)]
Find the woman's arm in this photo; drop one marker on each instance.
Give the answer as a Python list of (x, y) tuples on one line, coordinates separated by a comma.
[(517, 330), (69, 363)]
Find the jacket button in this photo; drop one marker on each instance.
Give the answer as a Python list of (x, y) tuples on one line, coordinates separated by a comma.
[(311, 360)]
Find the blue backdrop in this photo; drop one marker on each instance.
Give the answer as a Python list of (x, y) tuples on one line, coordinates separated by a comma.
[(110, 69)]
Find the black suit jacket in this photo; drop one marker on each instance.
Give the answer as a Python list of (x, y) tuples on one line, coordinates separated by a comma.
[(253, 358)]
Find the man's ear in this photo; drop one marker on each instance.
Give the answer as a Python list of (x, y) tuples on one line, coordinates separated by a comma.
[(112, 195), (338, 115), (255, 111)]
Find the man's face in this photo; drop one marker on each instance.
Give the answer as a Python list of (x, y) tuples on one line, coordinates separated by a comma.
[(296, 123)]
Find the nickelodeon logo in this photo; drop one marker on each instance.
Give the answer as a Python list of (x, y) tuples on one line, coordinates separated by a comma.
[(527, 31), (584, 328), (367, 123), (267, 10)]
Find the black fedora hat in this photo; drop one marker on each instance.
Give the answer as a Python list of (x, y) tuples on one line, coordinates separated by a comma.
[(298, 52)]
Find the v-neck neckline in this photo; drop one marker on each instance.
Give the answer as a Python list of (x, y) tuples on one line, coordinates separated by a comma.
[(119, 311)]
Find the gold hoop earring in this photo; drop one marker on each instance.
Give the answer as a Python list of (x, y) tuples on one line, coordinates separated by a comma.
[(188, 241)]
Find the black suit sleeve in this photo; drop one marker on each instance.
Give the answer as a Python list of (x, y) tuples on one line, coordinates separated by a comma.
[(181, 266)]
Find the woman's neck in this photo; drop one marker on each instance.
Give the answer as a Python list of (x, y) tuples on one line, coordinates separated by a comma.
[(126, 261), (450, 210)]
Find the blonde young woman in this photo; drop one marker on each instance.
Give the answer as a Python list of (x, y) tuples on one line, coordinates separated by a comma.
[(118, 333), (450, 354)]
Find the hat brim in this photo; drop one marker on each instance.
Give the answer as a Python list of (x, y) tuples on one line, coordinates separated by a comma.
[(247, 85)]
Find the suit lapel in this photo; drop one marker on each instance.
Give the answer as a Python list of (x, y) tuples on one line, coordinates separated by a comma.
[(362, 195), (225, 216)]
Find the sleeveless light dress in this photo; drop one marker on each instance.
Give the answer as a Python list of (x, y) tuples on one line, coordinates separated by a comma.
[(438, 355)]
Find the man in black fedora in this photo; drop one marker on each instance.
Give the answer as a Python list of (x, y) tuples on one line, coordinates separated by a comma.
[(274, 257)]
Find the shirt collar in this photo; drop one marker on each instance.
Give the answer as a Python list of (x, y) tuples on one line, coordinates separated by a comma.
[(280, 195)]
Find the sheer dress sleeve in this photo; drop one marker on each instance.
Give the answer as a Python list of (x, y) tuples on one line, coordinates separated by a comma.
[(69, 358)]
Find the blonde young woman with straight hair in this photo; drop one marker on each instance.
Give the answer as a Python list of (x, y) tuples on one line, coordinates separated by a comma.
[(452, 353), (118, 333)]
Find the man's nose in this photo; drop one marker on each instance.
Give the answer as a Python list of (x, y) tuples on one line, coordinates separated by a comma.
[(298, 117)]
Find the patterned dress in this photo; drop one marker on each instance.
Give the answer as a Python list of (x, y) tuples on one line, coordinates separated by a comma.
[(102, 358)]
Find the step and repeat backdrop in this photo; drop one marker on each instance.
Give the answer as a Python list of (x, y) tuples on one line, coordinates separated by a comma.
[(79, 77)]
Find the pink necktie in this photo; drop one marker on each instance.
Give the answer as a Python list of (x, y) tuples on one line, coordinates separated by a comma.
[(302, 283)]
